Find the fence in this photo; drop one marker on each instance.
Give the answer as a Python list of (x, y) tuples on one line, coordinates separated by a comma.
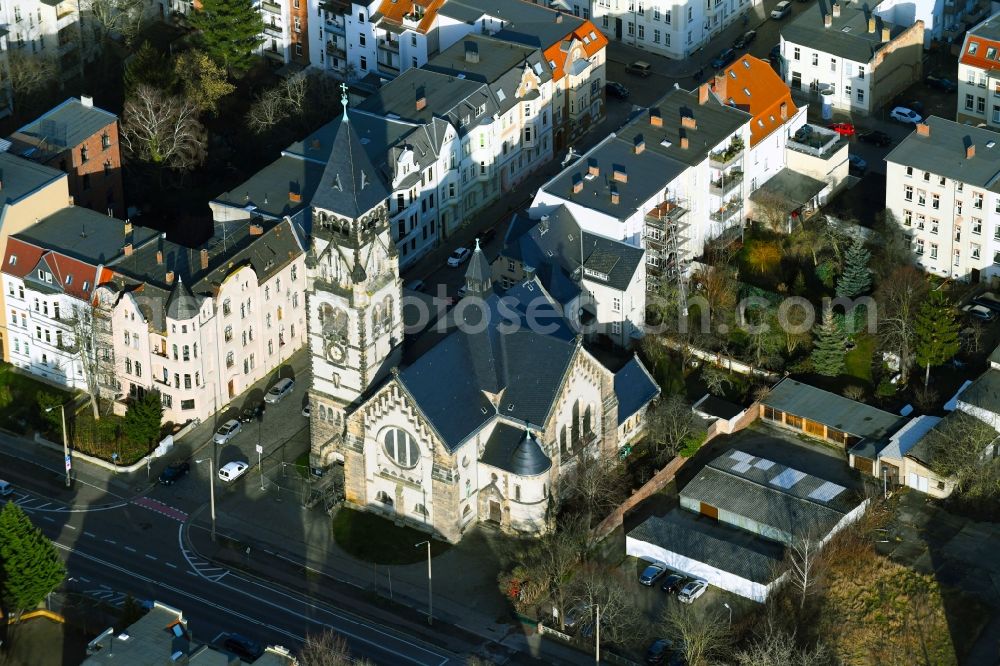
[(654, 485), (722, 361)]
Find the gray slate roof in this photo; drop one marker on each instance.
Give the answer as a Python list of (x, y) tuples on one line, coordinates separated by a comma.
[(721, 546), (987, 29), (943, 153), (847, 37), (634, 388), (515, 450), (351, 185), (84, 234), (797, 189), (832, 410), (478, 272), (269, 191), (749, 487), (20, 177), (523, 22), (984, 391), (64, 126)]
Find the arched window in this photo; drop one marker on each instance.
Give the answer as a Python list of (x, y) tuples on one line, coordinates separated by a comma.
[(401, 447), (383, 497), (387, 310), (334, 320), (588, 422), (420, 509), (466, 511), (575, 434)]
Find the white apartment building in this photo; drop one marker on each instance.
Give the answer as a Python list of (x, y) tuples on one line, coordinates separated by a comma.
[(37, 29), (943, 186), (201, 325), (979, 76), (668, 29), (850, 58)]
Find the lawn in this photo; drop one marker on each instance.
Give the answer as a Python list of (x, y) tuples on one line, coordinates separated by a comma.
[(19, 410), (372, 538), (859, 359)]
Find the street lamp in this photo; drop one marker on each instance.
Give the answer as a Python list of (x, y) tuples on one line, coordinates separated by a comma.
[(68, 461), (730, 609), (211, 489), (430, 588)]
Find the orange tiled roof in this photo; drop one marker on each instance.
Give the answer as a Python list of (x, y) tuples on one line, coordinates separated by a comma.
[(982, 46), (554, 53), (395, 10), (751, 84)]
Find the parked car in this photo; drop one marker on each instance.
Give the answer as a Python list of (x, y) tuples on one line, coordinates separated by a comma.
[(843, 129), (692, 591), (616, 89), (775, 53), (746, 40), (490, 234), (876, 138), (6, 489), (659, 651), (252, 412), (307, 410), (576, 615), (652, 573), (415, 285), (905, 115), (980, 312), (941, 83), (988, 300), (724, 59), (858, 165), (673, 583), (233, 470), (781, 10), (174, 472), (279, 390), (227, 431), (639, 68), (245, 648), (459, 257)]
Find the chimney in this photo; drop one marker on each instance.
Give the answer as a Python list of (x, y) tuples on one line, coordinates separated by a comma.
[(827, 20), (87, 101), (703, 93), (871, 25), (294, 197), (783, 110), (128, 228), (655, 119), (684, 142), (256, 229), (620, 174), (886, 36), (471, 52), (615, 197), (204, 260), (159, 257), (577, 184), (127, 249), (923, 129), (688, 122), (836, 10), (970, 150), (719, 83), (170, 277), (638, 144), (559, 17), (592, 167), (421, 99)]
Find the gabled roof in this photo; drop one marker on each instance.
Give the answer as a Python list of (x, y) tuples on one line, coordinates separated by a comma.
[(590, 39), (351, 185), (982, 38), (20, 177), (635, 388), (943, 152), (522, 22), (832, 410), (752, 85), (984, 392), (907, 436), (848, 35), (394, 11)]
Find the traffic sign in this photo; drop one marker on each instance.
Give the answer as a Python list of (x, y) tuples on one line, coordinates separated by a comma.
[(260, 449), (69, 463)]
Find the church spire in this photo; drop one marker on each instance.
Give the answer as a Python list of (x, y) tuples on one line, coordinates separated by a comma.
[(479, 275), (343, 99)]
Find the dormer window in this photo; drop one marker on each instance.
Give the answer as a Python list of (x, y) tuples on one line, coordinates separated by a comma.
[(13, 260), (973, 47), (69, 279)]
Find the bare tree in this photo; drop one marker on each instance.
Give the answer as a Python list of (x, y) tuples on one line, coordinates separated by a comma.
[(295, 89), (604, 589), (702, 632), (162, 129), (117, 17), (30, 74), (959, 449), (771, 210), (803, 566), (778, 648), (328, 649), (92, 343), (898, 297), (269, 109), (716, 379), (670, 424), (553, 561), (597, 485)]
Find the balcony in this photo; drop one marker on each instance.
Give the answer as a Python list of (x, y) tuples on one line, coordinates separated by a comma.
[(389, 45), (335, 27), (274, 30), (724, 158), (274, 54), (272, 7), (727, 183), (727, 211), (389, 68), (334, 50), (65, 9), (412, 20)]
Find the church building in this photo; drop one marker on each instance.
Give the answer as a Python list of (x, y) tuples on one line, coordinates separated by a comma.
[(489, 408)]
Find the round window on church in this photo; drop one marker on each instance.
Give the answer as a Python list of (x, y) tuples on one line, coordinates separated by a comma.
[(401, 447)]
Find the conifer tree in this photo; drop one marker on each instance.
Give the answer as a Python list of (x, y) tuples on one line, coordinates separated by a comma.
[(30, 567), (935, 332), (830, 347), (230, 32), (856, 278)]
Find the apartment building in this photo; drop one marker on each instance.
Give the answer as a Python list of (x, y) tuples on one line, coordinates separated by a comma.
[(942, 185), (850, 58), (50, 273), (82, 140), (28, 193), (667, 29), (979, 76), (201, 325), (46, 29)]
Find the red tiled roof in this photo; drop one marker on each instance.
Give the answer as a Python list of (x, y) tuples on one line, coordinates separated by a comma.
[(554, 53), (979, 60), (394, 11), (767, 92), (28, 256)]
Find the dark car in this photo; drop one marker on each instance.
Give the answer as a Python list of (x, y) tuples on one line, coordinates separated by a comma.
[(639, 68), (775, 52), (947, 85), (252, 412), (487, 235), (724, 59), (876, 137), (173, 472), (745, 40), (673, 583), (659, 651), (245, 648), (616, 89)]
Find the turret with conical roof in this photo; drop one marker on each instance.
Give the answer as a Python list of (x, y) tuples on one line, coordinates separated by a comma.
[(479, 275)]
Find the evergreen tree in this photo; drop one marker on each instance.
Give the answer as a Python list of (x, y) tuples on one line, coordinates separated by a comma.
[(230, 32), (142, 420), (829, 348), (935, 332), (856, 278), (149, 67), (30, 567)]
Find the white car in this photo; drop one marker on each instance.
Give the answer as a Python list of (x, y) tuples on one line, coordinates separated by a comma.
[(307, 411), (692, 591), (233, 470), (6, 489), (227, 431), (279, 391), (459, 257), (905, 115), (781, 10)]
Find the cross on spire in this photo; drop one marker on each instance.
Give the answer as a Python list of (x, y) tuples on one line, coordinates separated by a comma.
[(343, 98)]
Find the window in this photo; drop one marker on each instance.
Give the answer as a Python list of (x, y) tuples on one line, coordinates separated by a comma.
[(83, 155), (920, 221), (187, 381), (976, 250), (920, 246), (105, 141), (977, 226), (909, 172), (861, 95), (957, 257), (796, 53), (970, 101), (921, 198), (815, 59), (973, 47), (934, 226), (364, 63), (936, 201), (616, 304), (667, 16), (656, 36), (977, 200), (642, 31), (861, 72), (934, 250), (980, 105), (833, 64), (187, 404), (401, 447), (908, 192)]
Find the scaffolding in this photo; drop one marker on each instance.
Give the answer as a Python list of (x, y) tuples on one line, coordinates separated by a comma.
[(664, 238)]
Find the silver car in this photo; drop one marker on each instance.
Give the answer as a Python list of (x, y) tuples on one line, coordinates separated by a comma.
[(279, 390), (692, 591), (227, 431)]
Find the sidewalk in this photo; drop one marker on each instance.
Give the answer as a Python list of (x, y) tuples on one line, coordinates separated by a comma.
[(394, 595)]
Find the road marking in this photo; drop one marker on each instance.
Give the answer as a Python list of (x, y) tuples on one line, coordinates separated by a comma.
[(90, 534), (110, 541), (130, 549), (49, 519), (68, 526), (160, 508), (150, 557), (85, 580), (172, 566)]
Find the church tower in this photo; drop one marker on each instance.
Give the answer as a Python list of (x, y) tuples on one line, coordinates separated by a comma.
[(355, 314)]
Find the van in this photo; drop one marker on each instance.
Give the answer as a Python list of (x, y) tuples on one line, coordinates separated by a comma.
[(233, 470), (279, 390), (6, 489), (639, 68)]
